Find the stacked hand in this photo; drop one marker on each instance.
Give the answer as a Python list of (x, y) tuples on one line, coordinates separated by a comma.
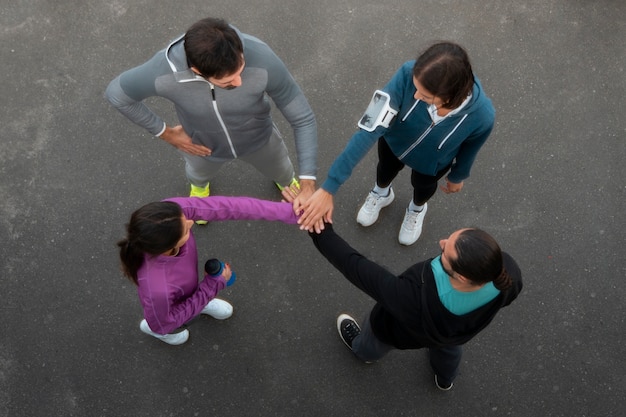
[(316, 210)]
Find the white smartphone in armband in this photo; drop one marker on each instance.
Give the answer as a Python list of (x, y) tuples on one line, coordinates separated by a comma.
[(378, 112)]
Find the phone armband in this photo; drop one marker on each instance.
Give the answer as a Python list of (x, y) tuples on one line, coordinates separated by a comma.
[(378, 112)]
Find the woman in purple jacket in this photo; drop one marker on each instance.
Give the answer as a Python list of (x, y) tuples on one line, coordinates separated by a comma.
[(159, 255)]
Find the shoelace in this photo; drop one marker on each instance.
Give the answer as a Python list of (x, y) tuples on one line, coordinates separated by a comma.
[(373, 199), (351, 331), (411, 222)]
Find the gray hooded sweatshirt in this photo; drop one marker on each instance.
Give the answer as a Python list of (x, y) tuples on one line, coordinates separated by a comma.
[(231, 123)]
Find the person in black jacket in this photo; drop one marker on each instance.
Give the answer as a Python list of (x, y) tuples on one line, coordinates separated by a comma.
[(439, 304)]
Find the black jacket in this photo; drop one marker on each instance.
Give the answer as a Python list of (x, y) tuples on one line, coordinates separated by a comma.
[(408, 313)]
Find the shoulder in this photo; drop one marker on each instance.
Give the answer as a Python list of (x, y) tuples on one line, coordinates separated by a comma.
[(511, 265), (152, 275), (480, 98), (405, 71), (420, 272), (256, 51), (400, 82), (408, 66)]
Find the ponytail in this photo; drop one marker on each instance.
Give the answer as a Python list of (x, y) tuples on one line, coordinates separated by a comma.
[(131, 259), (503, 282)]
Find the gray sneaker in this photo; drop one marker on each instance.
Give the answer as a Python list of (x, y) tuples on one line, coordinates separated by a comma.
[(411, 228), (368, 214)]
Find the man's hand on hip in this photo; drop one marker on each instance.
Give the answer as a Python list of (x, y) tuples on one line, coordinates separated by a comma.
[(178, 138)]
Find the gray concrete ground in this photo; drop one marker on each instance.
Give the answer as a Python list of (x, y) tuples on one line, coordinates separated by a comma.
[(549, 185)]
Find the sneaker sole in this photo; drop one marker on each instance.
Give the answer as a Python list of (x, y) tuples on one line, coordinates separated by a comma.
[(443, 389), (220, 316)]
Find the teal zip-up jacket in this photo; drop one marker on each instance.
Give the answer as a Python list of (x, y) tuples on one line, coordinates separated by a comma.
[(424, 146)]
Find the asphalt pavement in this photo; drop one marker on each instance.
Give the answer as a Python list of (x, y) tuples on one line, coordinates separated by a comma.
[(549, 185)]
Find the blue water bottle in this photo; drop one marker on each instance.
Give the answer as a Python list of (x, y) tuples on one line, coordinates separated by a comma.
[(215, 267)]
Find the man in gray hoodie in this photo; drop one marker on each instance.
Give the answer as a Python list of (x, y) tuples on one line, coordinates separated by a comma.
[(219, 81)]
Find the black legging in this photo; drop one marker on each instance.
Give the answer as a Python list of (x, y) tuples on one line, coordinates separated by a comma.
[(424, 186)]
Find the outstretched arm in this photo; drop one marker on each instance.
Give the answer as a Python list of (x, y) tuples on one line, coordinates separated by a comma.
[(219, 208), (395, 293), (366, 275)]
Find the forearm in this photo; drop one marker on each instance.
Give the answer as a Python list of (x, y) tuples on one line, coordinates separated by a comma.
[(218, 208), (467, 155), (360, 271), (336, 250), (164, 318), (344, 164), (302, 120)]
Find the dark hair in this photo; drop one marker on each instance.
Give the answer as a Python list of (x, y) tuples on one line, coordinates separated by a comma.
[(444, 70), (153, 229), (214, 48), (479, 259)]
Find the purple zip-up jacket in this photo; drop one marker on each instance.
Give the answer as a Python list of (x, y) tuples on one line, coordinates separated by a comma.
[(168, 286)]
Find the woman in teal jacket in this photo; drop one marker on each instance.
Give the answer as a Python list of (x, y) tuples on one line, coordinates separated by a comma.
[(443, 118)]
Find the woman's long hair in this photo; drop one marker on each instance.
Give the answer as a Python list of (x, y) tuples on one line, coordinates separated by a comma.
[(153, 229), (479, 259), (444, 70)]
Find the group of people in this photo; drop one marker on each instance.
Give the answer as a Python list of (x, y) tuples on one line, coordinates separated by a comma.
[(433, 116)]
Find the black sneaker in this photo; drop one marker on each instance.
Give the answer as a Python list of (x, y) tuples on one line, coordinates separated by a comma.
[(441, 386), (348, 329)]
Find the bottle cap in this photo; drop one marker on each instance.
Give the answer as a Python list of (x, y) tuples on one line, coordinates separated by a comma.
[(213, 266)]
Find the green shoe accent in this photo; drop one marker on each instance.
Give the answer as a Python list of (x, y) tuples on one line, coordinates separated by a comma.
[(200, 192), (293, 182)]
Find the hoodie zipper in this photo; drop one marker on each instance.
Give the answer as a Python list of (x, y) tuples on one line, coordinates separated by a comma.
[(427, 131), (219, 117), (450, 134), (217, 113), (418, 141)]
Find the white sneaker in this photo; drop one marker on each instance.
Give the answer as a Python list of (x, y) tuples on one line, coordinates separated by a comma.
[(411, 228), (170, 339), (368, 214), (218, 309)]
